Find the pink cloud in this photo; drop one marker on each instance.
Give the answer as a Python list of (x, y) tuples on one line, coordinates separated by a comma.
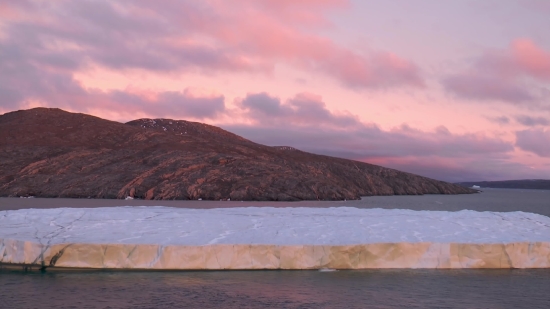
[(477, 86), (462, 169), (23, 84), (182, 104), (271, 33), (305, 123), (302, 12), (412, 151), (304, 109), (530, 59), (500, 74), (501, 120), (381, 69), (200, 36), (531, 121), (536, 141), (12, 9)]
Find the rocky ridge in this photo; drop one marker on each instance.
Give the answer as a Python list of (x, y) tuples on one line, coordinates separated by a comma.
[(53, 153)]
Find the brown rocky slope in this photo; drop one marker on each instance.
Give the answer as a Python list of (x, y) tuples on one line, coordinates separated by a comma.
[(53, 153)]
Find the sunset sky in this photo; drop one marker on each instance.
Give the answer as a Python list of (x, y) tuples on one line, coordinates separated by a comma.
[(455, 90)]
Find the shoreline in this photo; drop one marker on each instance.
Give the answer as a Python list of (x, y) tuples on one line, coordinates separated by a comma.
[(497, 200)]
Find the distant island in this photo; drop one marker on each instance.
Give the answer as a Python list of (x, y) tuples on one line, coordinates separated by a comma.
[(48, 152), (540, 184)]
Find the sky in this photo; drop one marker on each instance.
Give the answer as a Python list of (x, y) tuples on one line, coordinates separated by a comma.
[(456, 90)]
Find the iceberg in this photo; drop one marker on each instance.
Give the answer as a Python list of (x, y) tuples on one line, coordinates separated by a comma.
[(272, 238)]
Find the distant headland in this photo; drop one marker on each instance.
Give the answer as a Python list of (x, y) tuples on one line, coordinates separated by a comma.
[(539, 184)]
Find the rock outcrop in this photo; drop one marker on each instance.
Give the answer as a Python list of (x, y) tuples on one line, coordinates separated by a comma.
[(53, 153)]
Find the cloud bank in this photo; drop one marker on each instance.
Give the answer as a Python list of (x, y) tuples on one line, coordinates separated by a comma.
[(504, 75), (305, 123), (536, 141)]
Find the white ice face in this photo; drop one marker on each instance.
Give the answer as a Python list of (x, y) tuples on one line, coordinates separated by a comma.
[(267, 225)]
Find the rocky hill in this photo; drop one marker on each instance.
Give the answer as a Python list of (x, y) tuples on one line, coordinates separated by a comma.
[(53, 153)]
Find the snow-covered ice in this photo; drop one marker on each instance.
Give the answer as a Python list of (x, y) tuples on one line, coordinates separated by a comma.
[(272, 238), (267, 225)]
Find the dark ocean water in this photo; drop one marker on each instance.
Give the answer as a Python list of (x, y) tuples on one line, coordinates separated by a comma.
[(278, 289), (535, 201), (468, 288)]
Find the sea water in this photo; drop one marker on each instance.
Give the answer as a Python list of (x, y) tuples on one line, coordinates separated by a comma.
[(406, 288), (429, 288)]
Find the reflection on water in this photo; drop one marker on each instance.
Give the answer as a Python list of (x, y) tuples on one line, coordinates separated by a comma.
[(278, 289)]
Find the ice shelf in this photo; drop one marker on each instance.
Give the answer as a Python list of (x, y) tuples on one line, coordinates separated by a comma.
[(272, 238)]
